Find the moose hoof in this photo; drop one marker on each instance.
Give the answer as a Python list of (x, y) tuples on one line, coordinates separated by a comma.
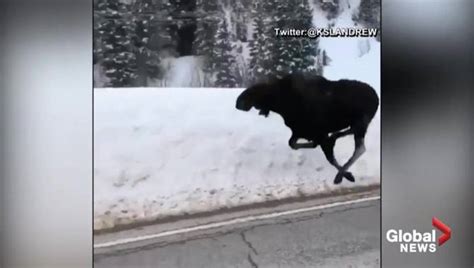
[(338, 178), (342, 175), (349, 176)]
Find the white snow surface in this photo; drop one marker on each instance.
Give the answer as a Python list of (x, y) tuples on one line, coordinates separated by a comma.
[(172, 151)]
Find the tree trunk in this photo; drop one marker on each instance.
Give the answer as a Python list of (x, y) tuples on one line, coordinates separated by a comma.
[(141, 80)]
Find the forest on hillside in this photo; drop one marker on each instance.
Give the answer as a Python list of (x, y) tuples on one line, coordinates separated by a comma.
[(212, 43)]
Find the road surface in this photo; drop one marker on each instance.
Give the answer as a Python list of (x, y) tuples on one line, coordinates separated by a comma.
[(346, 236)]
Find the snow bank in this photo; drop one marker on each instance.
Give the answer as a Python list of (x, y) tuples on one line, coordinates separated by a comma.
[(170, 151)]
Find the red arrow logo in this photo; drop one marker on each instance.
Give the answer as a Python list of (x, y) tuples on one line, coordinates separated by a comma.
[(444, 229)]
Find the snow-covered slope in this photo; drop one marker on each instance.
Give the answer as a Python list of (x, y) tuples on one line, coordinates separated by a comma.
[(351, 57), (162, 152)]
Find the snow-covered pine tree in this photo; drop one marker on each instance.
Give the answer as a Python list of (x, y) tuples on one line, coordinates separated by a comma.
[(208, 16), (264, 41), (207, 13), (284, 49), (305, 49), (144, 23), (222, 59), (240, 17), (181, 6), (292, 54), (369, 14), (114, 49), (258, 45), (331, 7)]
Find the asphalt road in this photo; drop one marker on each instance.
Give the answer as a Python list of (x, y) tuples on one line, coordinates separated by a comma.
[(347, 236)]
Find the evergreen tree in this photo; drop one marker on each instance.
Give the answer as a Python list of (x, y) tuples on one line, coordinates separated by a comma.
[(181, 6), (260, 61), (369, 14), (283, 49), (273, 56), (222, 60), (293, 54), (207, 12), (147, 59), (332, 7), (240, 17), (305, 49), (264, 42), (114, 49)]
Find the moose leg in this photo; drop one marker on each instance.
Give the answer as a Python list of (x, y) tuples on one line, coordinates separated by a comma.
[(295, 146), (328, 148), (359, 150), (340, 134), (360, 130)]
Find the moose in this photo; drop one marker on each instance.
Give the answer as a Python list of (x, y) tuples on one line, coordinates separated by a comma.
[(318, 110)]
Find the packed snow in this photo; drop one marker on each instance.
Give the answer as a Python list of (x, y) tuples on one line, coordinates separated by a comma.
[(162, 152)]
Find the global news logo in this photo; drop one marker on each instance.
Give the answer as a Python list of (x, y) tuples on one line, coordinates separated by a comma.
[(418, 242)]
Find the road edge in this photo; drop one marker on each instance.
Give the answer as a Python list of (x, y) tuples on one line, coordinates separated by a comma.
[(144, 235), (226, 210)]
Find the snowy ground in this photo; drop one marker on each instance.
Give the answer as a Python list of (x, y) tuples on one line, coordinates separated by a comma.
[(162, 152)]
